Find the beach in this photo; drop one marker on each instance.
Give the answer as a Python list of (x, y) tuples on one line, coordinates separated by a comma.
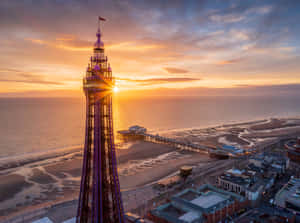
[(58, 179), (35, 181)]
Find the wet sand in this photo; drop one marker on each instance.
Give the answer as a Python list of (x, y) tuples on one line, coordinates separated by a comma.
[(159, 171), (60, 179), (10, 185), (245, 135), (142, 150), (41, 177), (60, 169)]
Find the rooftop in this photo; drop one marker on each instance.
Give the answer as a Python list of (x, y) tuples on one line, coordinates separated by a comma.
[(232, 149), (235, 171), (240, 180), (265, 214), (289, 192), (209, 199), (189, 205), (43, 220), (189, 216), (293, 144)]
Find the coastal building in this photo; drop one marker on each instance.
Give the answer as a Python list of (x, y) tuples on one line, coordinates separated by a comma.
[(207, 204), (218, 154), (245, 183), (185, 171), (133, 133), (170, 181), (137, 129), (256, 178), (233, 150), (293, 150), (266, 215), (271, 160), (289, 195)]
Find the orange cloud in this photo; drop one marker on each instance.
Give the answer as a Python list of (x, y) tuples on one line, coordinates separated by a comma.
[(73, 44), (174, 70), (65, 43), (232, 61), (37, 41), (29, 78), (73, 48), (65, 38), (161, 80), (133, 46)]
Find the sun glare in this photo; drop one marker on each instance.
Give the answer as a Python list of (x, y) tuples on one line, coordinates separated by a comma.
[(116, 89)]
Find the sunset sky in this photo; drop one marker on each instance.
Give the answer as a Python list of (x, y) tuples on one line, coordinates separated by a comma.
[(163, 46)]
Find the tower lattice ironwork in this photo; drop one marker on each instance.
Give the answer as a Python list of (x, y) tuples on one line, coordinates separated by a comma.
[(100, 197)]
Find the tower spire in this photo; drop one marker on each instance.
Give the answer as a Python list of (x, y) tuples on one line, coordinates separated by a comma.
[(99, 43)]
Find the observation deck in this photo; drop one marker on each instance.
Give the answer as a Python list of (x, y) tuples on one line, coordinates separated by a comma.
[(99, 73), (96, 81)]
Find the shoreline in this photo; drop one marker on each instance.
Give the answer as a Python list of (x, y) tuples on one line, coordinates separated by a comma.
[(15, 161), (30, 184)]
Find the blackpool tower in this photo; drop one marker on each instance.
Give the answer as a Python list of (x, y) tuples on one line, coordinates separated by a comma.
[(100, 197)]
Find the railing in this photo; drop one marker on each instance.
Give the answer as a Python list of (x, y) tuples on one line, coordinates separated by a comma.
[(177, 144)]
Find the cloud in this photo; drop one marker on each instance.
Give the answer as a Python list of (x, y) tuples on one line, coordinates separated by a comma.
[(227, 18), (173, 70), (264, 9), (232, 61), (243, 85), (74, 44), (36, 80), (133, 46), (278, 24), (240, 35), (275, 88), (195, 34), (291, 90), (27, 78), (64, 43), (153, 81)]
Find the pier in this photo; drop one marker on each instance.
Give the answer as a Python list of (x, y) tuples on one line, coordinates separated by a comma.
[(140, 133), (175, 143)]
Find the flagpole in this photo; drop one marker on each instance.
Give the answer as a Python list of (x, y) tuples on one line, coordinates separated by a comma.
[(102, 19)]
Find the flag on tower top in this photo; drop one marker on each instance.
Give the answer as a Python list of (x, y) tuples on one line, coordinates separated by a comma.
[(101, 18)]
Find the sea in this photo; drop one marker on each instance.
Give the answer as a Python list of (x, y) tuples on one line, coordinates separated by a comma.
[(31, 126)]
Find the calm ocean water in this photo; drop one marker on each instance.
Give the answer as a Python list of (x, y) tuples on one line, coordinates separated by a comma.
[(41, 124)]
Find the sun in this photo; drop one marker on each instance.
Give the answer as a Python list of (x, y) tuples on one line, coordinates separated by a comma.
[(115, 89)]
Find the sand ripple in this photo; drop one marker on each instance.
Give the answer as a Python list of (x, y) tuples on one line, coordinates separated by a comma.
[(134, 166)]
